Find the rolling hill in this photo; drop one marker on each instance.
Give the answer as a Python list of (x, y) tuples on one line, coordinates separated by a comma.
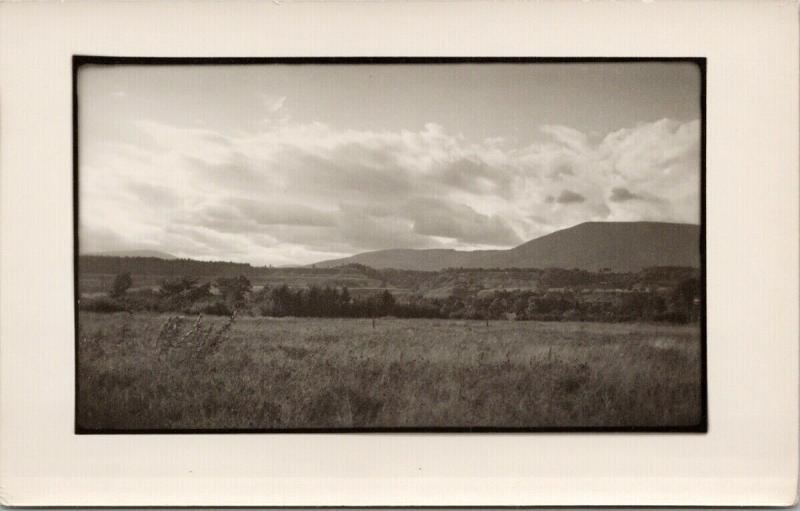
[(618, 246)]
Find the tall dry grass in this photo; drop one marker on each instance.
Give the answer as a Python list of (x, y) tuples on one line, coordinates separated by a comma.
[(147, 371)]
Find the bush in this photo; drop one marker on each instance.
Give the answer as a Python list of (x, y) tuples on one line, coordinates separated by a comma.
[(172, 287), (122, 283), (100, 304), (216, 308), (234, 289), (141, 300)]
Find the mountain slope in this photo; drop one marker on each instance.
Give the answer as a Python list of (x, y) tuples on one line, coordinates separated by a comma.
[(619, 246)]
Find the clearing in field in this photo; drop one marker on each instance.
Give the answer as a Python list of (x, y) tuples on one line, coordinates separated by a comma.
[(169, 372)]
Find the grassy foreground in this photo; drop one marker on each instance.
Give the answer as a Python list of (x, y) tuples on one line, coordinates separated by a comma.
[(147, 371)]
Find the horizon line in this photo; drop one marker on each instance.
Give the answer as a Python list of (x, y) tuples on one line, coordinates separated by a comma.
[(111, 253)]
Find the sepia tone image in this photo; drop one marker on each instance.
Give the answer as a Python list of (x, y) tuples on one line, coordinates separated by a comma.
[(389, 245)]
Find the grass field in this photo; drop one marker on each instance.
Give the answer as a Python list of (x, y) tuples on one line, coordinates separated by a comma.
[(148, 371)]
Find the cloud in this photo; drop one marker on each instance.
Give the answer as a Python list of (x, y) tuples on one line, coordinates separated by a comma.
[(153, 195), (373, 233), (569, 197), (567, 136), (477, 176), (292, 192), (100, 239), (561, 169), (620, 194), (282, 214), (350, 171), (200, 144), (460, 222)]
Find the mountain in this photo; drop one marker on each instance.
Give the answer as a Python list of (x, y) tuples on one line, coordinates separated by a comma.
[(135, 253), (618, 246)]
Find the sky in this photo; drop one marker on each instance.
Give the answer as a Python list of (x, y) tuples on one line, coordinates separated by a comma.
[(280, 164)]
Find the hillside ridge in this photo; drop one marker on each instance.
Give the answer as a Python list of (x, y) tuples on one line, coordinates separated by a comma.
[(617, 246)]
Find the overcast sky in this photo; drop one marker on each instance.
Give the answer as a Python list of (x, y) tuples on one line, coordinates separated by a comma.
[(292, 164)]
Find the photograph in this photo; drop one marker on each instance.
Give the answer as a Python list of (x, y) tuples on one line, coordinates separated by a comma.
[(389, 244), (399, 254)]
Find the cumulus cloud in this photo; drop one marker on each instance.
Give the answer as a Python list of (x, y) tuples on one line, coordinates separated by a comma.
[(367, 232), (282, 214), (462, 223), (291, 192), (477, 176), (569, 137), (569, 197), (620, 194), (561, 169)]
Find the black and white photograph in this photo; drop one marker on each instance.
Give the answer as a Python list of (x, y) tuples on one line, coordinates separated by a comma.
[(362, 244), (399, 254)]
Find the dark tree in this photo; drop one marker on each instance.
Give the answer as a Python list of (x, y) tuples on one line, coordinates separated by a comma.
[(284, 301), (684, 295), (234, 290), (386, 303), (121, 284), (345, 297)]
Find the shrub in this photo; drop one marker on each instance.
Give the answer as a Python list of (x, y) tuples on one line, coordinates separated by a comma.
[(141, 300), (100, 304), (122, 283), (234, 289), (217, 308), (171, 287)]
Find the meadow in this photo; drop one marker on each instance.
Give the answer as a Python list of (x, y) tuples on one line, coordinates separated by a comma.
[(165, 371)]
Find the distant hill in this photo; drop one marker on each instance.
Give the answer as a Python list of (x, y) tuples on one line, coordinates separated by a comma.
[(618, 246), (420, 260), (134, 253), (96, 273)]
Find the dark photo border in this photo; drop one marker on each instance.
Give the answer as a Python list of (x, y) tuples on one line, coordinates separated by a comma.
[(700, 62)]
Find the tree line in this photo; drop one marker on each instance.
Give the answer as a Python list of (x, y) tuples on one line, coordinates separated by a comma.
[(227, 294)]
